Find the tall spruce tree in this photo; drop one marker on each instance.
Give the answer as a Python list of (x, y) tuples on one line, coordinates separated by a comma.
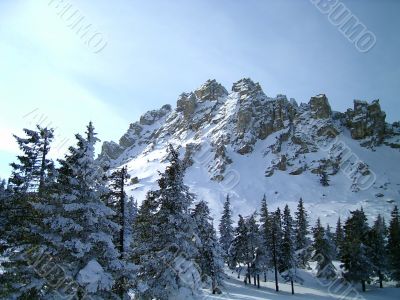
[(82, 230), (168, 268), (253, 240), (289, 266), (29, 180), (118, 202), (226, 229), (393, 245), (323, 252), (33, 168), (276, 242), (377, 244), (209, 257), (264, 255), (238, 251), (355, 254), (302, 242), (339, 236)]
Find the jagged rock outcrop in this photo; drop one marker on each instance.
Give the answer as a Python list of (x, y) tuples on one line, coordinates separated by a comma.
[(211, 90), (320, 107), (152, 116), (139, 133), (366, 121), (111, 150)]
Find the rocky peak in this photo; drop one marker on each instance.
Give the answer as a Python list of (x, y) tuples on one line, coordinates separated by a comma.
[(210, 90), (320, 107), (247, 87)]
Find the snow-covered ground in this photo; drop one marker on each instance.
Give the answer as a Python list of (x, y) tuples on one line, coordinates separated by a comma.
[(312, 289)]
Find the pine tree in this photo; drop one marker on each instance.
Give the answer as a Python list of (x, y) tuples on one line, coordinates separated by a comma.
[(253, 240), (275, 242), (168, 267), (209, 257), (33, 168), (377, 243), (339, 236), (238, 251), (355, 251), (20, 221), (82, 230), (323, 252), (118, 202), (226, 229), (289, 265), (301, 232), (264, 254), (393, 245), (324, 179)]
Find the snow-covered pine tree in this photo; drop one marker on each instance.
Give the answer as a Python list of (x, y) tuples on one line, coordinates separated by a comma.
[(276, 242), (82, 230), (29, 180), (355, 251), (118, 202), (393, 245), (3, 188), (33, 167), (301, 231), (209, 257), (324, 179), (143, 243), (238, 252), (339, 237), (253, 240), (330, 236), (226, 229), (264, 255), (169, 268), (377, 243), (323, 252), (289, 266)]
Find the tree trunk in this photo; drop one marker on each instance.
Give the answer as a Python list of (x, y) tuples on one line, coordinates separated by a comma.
[(380, 279), (258, 281), (291, 283), (275, 265), (43, 165), (363, 285), (265, 276)]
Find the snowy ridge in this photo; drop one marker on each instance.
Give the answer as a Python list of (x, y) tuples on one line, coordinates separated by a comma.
[(248, 144)]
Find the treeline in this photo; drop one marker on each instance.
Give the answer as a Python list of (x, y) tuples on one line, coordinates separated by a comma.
[(284, 243), (68, 229)]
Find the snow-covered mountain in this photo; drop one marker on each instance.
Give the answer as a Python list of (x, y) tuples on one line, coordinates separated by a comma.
[(246, 144)]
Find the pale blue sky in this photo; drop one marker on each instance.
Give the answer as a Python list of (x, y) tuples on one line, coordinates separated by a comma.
[(158, 49)]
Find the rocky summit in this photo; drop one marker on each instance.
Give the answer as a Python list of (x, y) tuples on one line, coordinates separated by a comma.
[(246, 144)]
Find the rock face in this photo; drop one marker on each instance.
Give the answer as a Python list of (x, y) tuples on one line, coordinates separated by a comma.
[(111, 150), (186, 104), (139, 133), (211, 90), (220, 126), (320, 107), (152, 116), (366, 120)]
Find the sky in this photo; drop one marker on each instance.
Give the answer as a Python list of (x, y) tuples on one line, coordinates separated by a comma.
[(143, 54)]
